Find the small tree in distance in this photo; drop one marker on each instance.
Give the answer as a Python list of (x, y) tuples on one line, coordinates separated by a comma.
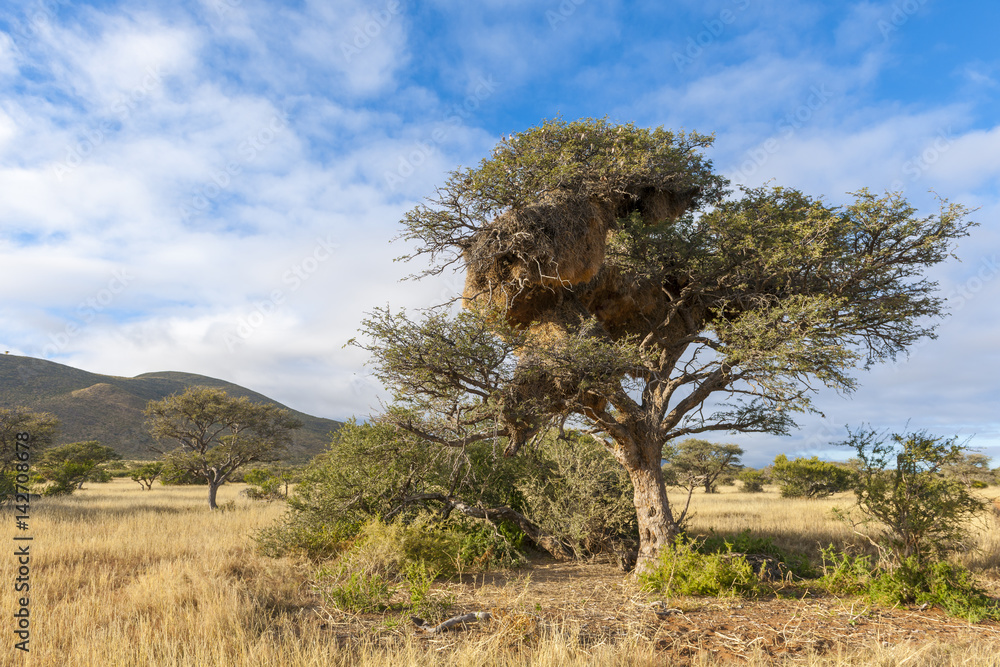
[(41, 426), (701, 463), (69, 466), (218, 434), (146, 474)]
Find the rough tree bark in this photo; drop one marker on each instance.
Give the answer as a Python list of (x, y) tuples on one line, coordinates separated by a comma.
[(213, 490)]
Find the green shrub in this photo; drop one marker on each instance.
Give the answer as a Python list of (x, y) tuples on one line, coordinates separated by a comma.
[(941, 583), (418, 579), (844, 573), (355, 591), (447, 547), (753, 480), (580, 494), (911, 581), (263, 485), (683, 570), (757, 545), (173, 475), (809, 478), (903, 491), (315, 539)]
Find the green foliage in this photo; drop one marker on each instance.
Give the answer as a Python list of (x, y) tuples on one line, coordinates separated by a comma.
[(681, 569), (448, 547), (355, 591), (119, 469), (319, 540), (941, 583), (904, 493), (753, 481), (348, 588), (69, 466), (175, 475), (695, 462), (374, 471), (41, 426), (844, 573), (809, 478), (910, 581), (592, 157), (971, 468), (144, 475), (264, 485), (418, 579), (218, 434), (580, 494), (748, 543)]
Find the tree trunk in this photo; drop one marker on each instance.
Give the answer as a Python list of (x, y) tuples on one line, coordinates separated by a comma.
[(213, 489), (657, 527)]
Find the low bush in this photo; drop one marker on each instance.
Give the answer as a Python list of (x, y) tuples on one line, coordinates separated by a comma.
[(940, 583), (753, 481), (684, 570), (355, 591), (757, 545)]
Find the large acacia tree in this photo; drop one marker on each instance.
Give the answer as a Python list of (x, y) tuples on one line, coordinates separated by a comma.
[(613, 279), (218, 434)]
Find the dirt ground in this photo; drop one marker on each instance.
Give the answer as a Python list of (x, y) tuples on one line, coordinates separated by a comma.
[(598, 604)]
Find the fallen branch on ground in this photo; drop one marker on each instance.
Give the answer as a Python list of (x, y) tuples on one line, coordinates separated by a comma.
[(461, 619)]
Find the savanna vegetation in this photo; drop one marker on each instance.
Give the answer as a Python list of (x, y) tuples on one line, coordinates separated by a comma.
[(536, 469), (129, 576)]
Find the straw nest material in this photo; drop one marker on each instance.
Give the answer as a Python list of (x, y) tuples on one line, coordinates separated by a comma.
[(525, 257), (544, 266), (530, 262)]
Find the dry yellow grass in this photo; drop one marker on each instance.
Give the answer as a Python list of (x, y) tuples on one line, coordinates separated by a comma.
[(122, 576)]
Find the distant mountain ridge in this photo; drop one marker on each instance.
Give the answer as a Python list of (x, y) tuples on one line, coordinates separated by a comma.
[(109, 408)]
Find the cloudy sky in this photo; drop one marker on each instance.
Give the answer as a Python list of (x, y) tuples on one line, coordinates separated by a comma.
[(212, 186)]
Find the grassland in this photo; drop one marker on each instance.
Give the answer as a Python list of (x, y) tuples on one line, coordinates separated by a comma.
[(122, 576)]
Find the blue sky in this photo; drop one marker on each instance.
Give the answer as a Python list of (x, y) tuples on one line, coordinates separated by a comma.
[(212, 186)]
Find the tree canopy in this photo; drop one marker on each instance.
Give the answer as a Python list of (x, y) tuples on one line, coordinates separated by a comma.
[(218, 434), (69, 466), (613, 279), (41, 427)]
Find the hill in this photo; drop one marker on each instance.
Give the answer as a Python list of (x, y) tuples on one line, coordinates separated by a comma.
[(109, 408)]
